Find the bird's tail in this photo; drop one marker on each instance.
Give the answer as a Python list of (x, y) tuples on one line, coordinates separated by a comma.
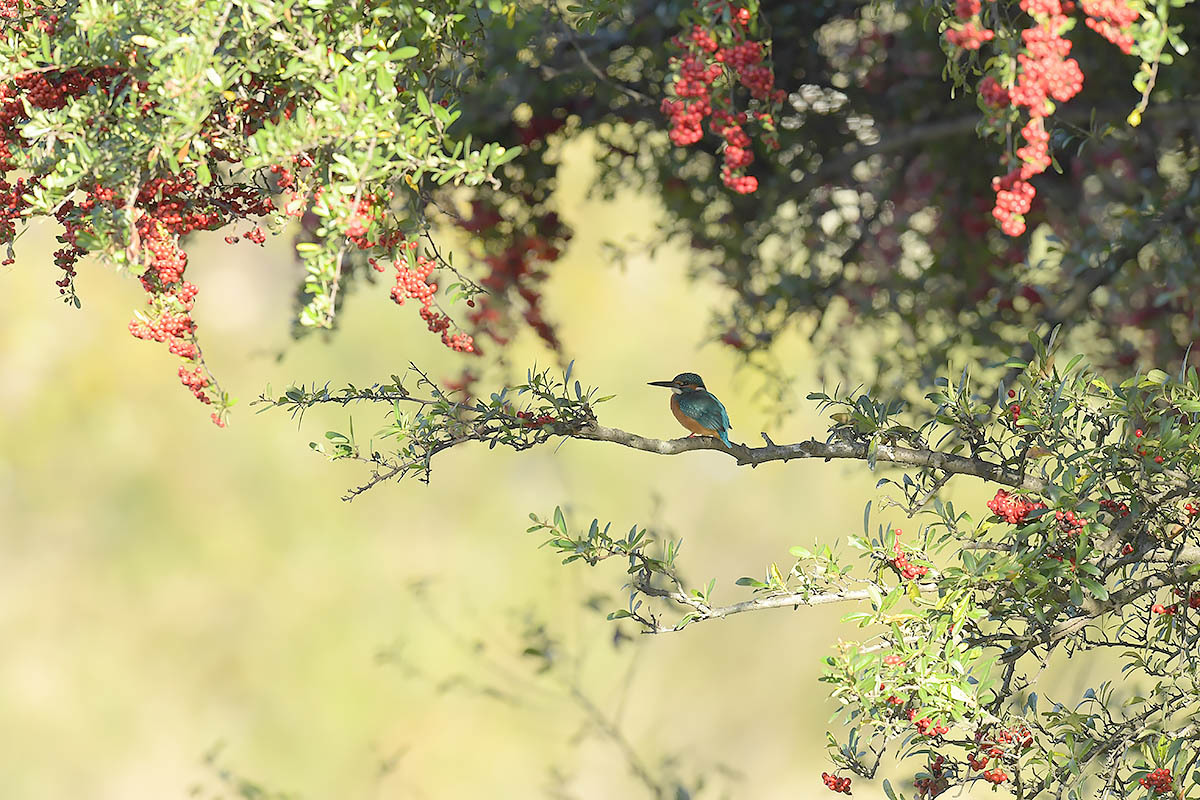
[(725, 437)]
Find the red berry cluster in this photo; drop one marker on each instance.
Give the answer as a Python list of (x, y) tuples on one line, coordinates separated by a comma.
[(165, 207), (1012, 508), (1112, 20), (893, 660), (1192, 509), (1068, 522), (174, 206), (995, 775), (965, 9), (171, 299), (1014, 409), (1158, 781), (1193, 599), (1014, 198), (835, 783), (1043, 70), (969, 36), (530, 421), (715, 58), (1114, 507), (42, 90), (514, 253), (937, 781), (926, 727), (993, 93), (515, 271), (1044, 74), (412, 282), (1001, 744), (900, 561), (1170, 611)]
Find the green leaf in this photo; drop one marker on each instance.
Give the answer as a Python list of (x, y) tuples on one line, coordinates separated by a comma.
[(1095, 587)]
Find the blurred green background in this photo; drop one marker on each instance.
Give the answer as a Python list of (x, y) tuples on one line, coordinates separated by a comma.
[(167, 587)]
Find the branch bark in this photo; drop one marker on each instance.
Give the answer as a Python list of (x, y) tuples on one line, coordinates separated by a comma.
[(703, 611), (753, 456)]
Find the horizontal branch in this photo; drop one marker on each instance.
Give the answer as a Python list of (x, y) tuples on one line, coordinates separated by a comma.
[(703, 611), (753, 456)]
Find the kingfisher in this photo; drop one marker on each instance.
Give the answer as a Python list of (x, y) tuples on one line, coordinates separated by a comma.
[(696, 408)]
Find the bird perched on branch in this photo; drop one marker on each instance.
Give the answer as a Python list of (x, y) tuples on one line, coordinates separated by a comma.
[(696, 408)]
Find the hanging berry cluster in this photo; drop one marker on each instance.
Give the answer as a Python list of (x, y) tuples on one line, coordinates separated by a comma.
[(900, 561), (128, 182), (835, 783), (412, 281), (1044, 77), (714, 57), (168, 209), (515, 252)]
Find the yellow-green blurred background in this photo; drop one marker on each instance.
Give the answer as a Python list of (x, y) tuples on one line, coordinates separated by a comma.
[(166, 586)]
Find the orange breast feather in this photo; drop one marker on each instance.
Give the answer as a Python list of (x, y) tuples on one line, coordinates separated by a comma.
[(688, 422)]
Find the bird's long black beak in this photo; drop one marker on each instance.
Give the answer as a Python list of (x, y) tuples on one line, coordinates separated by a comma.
[(668, 384)]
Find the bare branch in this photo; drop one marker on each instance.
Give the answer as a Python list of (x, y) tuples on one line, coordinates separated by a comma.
[(703, 611), (753, 456)]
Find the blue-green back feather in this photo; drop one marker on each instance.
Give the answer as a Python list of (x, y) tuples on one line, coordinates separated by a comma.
[(704, 407)]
